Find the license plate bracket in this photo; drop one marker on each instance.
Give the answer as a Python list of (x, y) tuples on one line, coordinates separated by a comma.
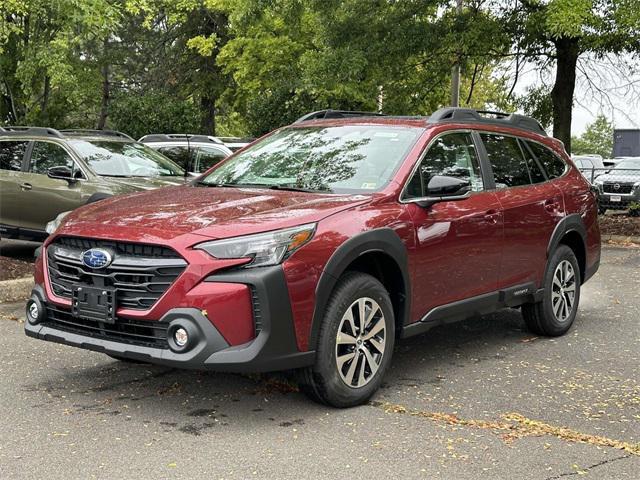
[(615, 198), (94, 303)]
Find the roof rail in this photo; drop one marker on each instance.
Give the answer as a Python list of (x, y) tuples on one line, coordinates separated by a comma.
[(97, 133), (464, 115), (321, 114), (33, 131), (172, 137)]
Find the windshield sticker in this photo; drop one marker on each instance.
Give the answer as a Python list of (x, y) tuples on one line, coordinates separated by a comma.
[(368, 186)]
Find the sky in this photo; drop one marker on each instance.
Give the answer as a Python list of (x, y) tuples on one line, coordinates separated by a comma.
[(610, 86)]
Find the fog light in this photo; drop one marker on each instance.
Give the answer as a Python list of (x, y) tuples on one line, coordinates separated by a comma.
[(34, 311), (181, 337)]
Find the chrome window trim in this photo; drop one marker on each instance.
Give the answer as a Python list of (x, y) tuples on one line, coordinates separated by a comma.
[(401, 198), (75, 158)]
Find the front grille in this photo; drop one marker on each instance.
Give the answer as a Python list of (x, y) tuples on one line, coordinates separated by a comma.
[(140, 274), (622, 188), (145, 333)]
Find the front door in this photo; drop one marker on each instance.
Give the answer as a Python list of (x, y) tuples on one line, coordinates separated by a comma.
[(43, 198), (12, 154), (458, 243)]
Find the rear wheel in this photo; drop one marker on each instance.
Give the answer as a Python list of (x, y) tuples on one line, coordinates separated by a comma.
[(355, 343), (555, 314)]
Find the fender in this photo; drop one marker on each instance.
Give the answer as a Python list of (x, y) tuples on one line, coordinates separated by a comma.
[(384, 240), (570, 223)]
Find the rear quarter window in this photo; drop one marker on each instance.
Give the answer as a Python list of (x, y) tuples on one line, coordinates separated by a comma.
[(552, 163)]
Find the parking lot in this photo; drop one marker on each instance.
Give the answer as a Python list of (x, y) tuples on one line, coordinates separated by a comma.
[(480, 397)]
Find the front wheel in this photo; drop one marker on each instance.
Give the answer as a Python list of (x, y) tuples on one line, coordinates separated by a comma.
[(555, 314), (355, 343)]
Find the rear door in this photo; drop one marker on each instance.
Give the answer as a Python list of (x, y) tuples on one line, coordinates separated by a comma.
[(180, 154), (532, 207), (12, 154), (43, 198)]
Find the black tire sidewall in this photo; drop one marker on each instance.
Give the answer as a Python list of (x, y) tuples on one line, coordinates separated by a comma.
[(551, 325), (352, 287)]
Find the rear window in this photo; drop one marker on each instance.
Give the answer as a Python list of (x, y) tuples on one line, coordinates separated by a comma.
[(552, 163), (11, 155), (509, 166)]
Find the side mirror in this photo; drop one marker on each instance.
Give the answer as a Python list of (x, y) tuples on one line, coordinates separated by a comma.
[(61, 172), (443, 188)]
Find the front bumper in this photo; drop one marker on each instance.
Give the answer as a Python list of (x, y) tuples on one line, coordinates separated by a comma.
[(274, 348), (622, 202)]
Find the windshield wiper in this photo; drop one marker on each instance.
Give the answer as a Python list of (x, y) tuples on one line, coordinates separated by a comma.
[(298, 189)]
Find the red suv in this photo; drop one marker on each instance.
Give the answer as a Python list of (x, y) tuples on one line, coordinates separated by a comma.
[(321, 244)]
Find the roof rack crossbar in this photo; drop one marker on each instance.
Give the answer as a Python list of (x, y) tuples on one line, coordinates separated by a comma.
[(169, 137), (322, 114), (463, 115), (34, 131), (99, 133)]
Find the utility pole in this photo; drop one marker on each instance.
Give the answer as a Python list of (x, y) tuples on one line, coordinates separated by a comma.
[(455, 71)]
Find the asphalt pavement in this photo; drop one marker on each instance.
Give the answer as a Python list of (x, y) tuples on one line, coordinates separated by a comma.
[(478, 399)]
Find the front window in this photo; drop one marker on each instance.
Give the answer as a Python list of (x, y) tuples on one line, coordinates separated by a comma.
[(342, 159), (125, 159)]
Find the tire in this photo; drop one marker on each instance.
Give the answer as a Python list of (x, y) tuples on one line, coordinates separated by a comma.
[(351, 384), (124, 359), (550, 317)]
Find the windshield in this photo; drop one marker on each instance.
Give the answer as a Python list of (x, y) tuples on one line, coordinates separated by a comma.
[(631, 164), (344, 159), (125, 159)]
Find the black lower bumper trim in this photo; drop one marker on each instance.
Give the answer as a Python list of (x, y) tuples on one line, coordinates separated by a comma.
[(273, 349)]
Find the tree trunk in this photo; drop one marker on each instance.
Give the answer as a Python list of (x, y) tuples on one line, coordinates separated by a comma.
[(567, 50), (44, 104), (104, 107), (208, 112)]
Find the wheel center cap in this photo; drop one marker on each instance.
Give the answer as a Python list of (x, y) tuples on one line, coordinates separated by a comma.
[(359, 342)]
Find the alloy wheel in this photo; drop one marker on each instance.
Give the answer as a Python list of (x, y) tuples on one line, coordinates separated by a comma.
[(360, 342), (563, 291)]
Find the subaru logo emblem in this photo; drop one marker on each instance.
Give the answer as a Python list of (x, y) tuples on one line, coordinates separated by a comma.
[(96, 258)]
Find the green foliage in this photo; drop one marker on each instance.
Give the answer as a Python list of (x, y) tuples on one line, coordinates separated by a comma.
[(597, 138), (138, 114)]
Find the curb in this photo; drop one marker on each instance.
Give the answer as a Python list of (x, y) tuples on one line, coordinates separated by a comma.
[(620, 239), (16, 290)]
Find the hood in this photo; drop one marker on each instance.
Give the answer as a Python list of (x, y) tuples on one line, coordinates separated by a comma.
[(136, 184), (619, 177), (212, 212)]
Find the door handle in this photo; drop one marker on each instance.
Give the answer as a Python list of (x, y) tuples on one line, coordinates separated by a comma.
[(492, 216), (26, 186)]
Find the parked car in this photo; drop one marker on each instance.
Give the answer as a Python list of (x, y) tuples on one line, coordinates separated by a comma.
[(236, 143), (322, 244), (195, 153), (619, 187), (589, 165), (46, 172)]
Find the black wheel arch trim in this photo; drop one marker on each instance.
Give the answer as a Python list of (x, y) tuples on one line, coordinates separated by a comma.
[(98, 196), (383, 240), (570, 223)]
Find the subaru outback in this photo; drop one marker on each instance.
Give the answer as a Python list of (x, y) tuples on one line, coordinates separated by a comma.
[(322, 244), (45, 173)]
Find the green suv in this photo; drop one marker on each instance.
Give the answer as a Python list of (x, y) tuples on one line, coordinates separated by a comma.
[(45, 173)]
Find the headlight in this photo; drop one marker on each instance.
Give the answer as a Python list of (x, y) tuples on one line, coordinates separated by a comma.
[(53, 225), (264, 249)]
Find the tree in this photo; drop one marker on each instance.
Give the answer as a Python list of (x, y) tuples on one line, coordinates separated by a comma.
[(560, 34), (597, 138)]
